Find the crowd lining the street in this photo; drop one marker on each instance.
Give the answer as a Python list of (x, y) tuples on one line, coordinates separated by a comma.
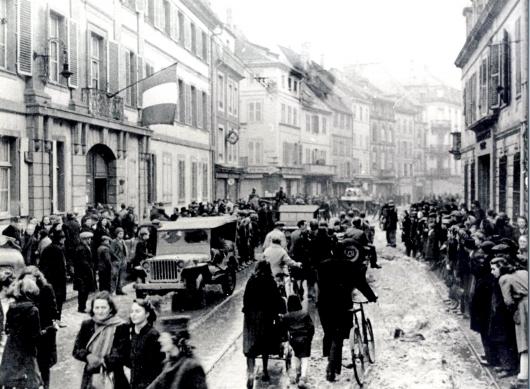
[(483, 259), (476, 253)]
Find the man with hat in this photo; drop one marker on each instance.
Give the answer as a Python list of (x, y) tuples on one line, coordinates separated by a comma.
[(13, 231), (84, 277), (390, 220), (52, 264), (104, 264), (181, 370)]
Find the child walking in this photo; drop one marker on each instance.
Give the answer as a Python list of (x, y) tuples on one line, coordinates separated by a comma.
[(301, 331)]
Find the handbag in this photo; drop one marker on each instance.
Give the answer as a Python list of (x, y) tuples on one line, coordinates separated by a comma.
[(102, 380)]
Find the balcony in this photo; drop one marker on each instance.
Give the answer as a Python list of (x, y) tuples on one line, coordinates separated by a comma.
[(441, 125), (100, 105), (314, 169)]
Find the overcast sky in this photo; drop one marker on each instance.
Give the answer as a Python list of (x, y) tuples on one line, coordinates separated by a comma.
[(429, 32)]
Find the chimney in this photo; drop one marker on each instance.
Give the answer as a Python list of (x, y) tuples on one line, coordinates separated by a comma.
[(229, 17), (305, 53)]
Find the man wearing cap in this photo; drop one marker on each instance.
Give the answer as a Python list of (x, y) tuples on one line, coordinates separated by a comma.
[(84, 277), (181, 370), (52, 264), (104, 265)]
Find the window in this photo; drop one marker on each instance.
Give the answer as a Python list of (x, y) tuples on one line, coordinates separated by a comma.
[(56, 35), (58, 177), (315, 124), (182, 180), (182, 102), (307, 122), (235, 108), (220, 91), (250, 112), (204, 46), (181, 28), (282, 119), (205, 111), (167, 18), (283, 82), (324, 125), (230, 96), (193, 38), (166, 181), (258, 111), (96, 55), (5, 174), (204, 181), (289, 115), (289, 83), (3, 33), (194, 180), (221, 144), (295, 117)]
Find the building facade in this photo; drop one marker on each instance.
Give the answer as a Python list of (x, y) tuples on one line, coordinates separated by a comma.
[(229, 71), (494, 67), (405, 116)]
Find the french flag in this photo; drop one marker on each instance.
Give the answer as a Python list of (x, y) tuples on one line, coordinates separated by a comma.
[(160, 97)]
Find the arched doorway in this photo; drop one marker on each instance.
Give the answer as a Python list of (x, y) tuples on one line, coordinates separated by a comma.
[(101, 175)]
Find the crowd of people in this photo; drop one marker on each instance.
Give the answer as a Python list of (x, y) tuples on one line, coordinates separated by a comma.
[(483, 259)]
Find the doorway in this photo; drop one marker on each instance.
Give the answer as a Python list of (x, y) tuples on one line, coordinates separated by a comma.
[(484, 181), (101, 176)]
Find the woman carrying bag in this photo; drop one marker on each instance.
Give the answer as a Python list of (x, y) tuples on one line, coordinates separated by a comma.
[(103, 343)]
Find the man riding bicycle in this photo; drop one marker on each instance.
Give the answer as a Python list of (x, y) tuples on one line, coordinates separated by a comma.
[(338, 276)]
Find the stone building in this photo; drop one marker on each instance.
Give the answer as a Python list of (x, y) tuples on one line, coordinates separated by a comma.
[(71, 119), (494, 63)]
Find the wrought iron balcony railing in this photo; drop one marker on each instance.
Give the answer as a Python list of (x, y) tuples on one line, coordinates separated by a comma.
[(101, 105)]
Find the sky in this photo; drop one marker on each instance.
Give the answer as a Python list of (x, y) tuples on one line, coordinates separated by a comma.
[(404, 34)]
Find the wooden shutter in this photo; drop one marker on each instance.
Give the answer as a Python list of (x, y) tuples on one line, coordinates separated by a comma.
[(494, 72), (208, 113), (134, 78), (518, 58), (139, 88), (506, 67), (114, 67), (24, 38), (73, 50), (187, 94), (200, 114), (187, 33)]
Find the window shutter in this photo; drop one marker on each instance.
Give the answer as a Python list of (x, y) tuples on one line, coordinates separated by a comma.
[(114, 69), (134, 77), (173, 32), (73, 81), (506, 69), (494, 71), (187, 91), (139, 88), (198, 42), (24, 38), (199, 109), (208, 110)]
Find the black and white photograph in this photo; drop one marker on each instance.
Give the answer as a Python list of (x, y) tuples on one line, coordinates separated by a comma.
[(264, 194)]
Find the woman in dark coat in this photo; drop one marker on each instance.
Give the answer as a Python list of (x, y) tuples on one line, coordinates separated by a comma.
[(53, 266), (103, 343), (47, 346), (181, 369), (145, 359), (19, 360), (262, 303)]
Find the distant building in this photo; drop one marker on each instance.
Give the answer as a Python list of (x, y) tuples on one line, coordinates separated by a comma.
[(229, 71), (494, 63)]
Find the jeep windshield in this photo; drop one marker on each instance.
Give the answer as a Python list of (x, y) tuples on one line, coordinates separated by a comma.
[(196, 241)]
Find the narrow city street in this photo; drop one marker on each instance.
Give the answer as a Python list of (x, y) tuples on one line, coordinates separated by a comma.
[(432, 353)]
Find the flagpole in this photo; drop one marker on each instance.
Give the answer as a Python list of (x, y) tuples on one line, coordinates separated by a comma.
[(111, 95)]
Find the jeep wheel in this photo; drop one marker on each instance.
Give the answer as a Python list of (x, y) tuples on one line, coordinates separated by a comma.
[(229, 283)]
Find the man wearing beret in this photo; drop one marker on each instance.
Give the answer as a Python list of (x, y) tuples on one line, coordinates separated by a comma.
[(84, 278), (181, 370)]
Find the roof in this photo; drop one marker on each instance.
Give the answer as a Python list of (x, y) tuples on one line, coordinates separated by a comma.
[(195, 223), (298, 208)]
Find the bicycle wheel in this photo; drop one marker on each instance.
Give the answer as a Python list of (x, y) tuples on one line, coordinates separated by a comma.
[(369, 341), (357, 354)]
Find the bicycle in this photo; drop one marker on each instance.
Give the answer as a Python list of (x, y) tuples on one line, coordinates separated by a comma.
[(362, 342)]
